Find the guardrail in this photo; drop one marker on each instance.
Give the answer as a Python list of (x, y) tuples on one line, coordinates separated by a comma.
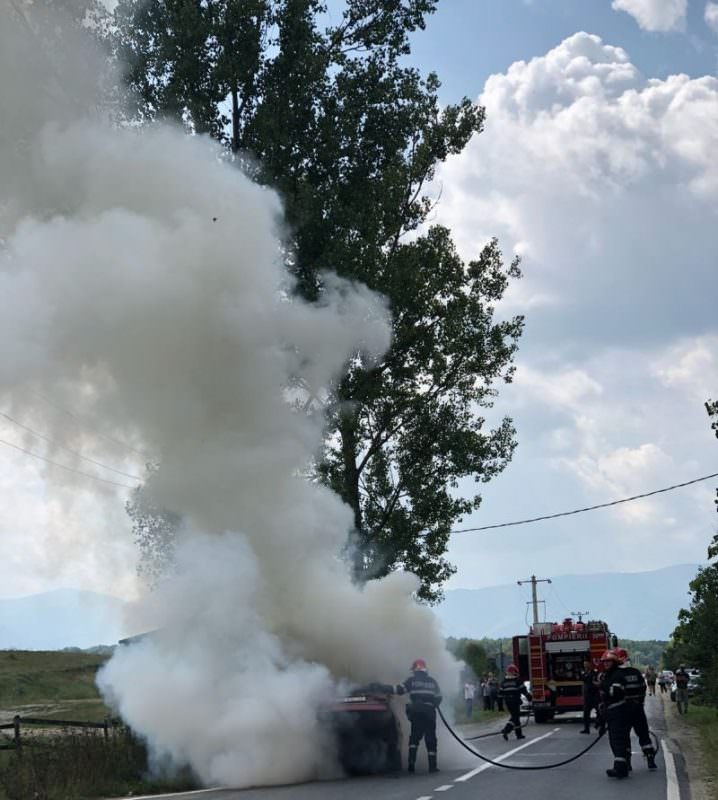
[(16, 725)]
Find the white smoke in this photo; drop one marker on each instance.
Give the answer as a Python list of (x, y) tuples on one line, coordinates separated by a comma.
[(143, 276)]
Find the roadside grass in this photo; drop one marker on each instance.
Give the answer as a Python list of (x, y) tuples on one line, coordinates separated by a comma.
[(69, 763), (28, 677), (705, 720), (83, 765)]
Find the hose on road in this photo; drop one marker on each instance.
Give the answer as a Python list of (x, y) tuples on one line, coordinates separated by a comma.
[(462, 742)]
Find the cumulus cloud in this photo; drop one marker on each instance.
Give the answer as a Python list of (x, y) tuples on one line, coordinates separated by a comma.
[(655, 15), (604, 181), (595, 173), (711, 16)]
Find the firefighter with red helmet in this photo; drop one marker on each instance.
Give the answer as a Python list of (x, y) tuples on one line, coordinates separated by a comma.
[(512, 688), (623, 693), (424, 699)]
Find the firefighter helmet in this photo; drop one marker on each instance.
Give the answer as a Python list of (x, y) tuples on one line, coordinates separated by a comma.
[(622, 654), (610, 655), (419, 665), (512, 669)]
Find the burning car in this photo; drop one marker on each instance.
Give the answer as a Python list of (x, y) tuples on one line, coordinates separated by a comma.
[(366, 730)]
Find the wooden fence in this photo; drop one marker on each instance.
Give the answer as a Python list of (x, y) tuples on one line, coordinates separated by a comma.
[(16, 725)]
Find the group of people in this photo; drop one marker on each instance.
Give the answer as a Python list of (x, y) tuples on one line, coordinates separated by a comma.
[(617, 691), (488, 692)]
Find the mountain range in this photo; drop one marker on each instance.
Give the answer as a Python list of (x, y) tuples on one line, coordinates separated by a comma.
[(640, 605), (636, 605)]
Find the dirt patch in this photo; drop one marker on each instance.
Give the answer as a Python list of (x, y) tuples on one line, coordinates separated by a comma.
[(689, 739)]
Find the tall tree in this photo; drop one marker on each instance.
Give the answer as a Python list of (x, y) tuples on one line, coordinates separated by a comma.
[(350, 136)]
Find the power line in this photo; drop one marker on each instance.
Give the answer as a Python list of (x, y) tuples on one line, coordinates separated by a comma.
[(587, 508), (62, 466), (80, 421), (67, 449)]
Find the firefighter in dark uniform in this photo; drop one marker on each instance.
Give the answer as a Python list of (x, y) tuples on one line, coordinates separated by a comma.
[(512, 688), (623, 692), (591, 693), (424, 699)]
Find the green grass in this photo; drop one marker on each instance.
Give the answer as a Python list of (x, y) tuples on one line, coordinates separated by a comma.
[(29, 677), (705, 720)]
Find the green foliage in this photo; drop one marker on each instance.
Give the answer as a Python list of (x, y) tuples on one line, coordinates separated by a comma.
[(471, 652), (695, 639), (644, 653), (333, 119)]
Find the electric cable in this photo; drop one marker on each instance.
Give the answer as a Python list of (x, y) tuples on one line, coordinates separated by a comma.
[(80, 421), (587, 508), (534, 768), (63, 466), (69, 450)]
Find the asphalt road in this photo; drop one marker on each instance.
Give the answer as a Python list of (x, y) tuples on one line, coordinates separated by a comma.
[(544, 744)]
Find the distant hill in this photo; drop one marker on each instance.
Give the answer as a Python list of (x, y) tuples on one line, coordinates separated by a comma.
[(639, 605), (60, 619)]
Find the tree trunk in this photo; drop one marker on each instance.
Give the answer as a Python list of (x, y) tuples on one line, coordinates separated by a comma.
[(235, 118), (350, 493)]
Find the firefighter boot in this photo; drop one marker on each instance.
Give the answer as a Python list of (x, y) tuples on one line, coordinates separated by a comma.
[(650, 754), (519, 733), (506, 730), (412, 757), (619, 770), (432, 763)]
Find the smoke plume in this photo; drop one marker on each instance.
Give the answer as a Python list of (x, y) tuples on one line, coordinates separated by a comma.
[(141, 276)]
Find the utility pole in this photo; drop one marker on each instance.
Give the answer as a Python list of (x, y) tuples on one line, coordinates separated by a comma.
[(533, 580), (580, 614)]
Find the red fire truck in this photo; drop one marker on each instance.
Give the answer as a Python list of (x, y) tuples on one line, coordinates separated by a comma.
[(551, 658)]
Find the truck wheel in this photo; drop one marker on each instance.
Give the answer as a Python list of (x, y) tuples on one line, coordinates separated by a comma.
[(541, 717)]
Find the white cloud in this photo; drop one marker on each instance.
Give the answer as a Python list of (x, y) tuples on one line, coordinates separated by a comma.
[(692, 366), (655, 15), (608, 183), (711, 16)]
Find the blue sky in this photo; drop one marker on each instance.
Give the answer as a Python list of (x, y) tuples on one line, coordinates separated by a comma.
[(598, 167), (468, 40)]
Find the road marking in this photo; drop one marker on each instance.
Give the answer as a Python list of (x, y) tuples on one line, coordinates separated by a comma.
[(444, 788), (503, 757), (424, 797), (673, 791), (182, 794)]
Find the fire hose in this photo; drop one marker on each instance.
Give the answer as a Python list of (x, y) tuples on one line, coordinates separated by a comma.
[(462, 742)]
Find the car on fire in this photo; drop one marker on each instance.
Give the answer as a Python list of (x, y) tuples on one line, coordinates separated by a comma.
[(366, 730)]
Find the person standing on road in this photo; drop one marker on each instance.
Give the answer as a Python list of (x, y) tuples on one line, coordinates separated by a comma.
[(623, 692), (424, 699), (591, 693), (663, 682), (511, 690), (469, 692), (681, 678), (650, 677), (493, 691)]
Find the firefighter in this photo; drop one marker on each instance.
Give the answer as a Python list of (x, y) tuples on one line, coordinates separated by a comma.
[(623, 692), (424, 699), (511, 690), (591, 695)]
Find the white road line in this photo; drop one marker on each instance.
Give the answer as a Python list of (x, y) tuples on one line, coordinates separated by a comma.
[(444, 788), (181, 794), (673, 791), (503, 757), (424, 797)]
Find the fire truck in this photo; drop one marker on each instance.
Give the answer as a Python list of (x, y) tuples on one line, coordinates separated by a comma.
[(551, 657)]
